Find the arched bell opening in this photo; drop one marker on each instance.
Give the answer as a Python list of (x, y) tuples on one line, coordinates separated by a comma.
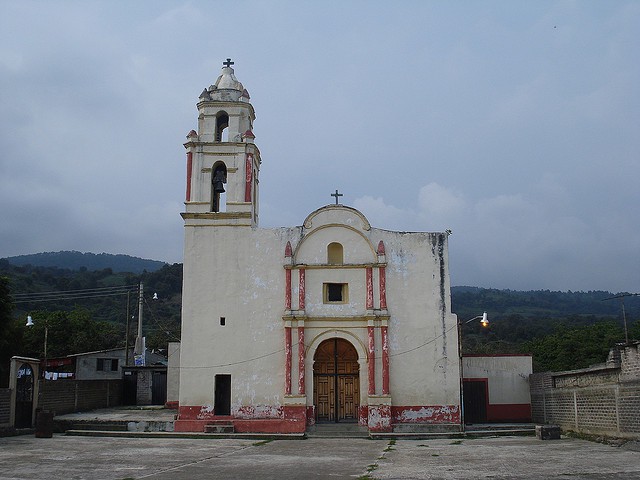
[(222, 124), (336, 381), (218, 179)]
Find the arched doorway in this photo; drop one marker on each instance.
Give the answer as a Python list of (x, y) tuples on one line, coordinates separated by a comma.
[(336, 381), (24, 396)]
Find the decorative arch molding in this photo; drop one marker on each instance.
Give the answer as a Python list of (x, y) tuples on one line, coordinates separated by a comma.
[(299, 246), (308, 222), (333, 333)]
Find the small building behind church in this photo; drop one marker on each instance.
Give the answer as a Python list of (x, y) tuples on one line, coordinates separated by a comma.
[(332, 320)]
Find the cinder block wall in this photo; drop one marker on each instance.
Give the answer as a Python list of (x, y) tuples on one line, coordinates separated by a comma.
[(67, 396), (602, 400), (5, 407)]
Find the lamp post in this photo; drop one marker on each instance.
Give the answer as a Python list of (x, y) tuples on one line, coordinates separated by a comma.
[(44, 418), (484, 321)]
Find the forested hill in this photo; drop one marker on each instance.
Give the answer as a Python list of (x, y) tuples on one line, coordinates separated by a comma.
[(563, 330), (73, 260), (468, 301)]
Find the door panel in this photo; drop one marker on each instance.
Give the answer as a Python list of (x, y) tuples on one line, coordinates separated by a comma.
[(336, 364)]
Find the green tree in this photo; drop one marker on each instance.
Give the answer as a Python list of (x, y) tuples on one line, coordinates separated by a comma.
[(569, 348), (69, 333), (8, 332)]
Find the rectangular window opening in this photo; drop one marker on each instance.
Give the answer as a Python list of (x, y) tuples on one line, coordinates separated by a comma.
[(336, 293), (223, 321)]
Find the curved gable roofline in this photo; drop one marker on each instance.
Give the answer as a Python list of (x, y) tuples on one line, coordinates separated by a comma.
[(309, 221)]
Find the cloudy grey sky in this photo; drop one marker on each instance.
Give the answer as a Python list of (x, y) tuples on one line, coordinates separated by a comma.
[(513, 123)]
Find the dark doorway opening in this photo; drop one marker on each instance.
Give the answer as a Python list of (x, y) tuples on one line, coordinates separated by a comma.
[(159, 388), (222, 398), (130, 388), (475, 399), (24, 397)]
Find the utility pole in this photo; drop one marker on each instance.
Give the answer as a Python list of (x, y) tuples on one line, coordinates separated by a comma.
[(139, 348)]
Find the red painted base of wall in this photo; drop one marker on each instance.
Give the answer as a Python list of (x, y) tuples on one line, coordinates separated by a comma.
[(291, 419), (172, 405), (295, 419), (509, 412)]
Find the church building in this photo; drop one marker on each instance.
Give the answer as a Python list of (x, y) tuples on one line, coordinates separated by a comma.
[(333, 320)]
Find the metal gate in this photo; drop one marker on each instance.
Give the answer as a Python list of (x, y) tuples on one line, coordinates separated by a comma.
[(130, 388), (159, 388), (24, 397)]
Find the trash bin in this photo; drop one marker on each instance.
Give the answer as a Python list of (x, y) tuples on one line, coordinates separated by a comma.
[(44, 424)]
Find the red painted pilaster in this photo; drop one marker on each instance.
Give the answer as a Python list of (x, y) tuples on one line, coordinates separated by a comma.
[(288, 253), (248, 177), (372, 361), (383, 288), (301, 294), (301, 387), (287, 360), (385, 360), (287, 289), (189, 170), (369, 288)]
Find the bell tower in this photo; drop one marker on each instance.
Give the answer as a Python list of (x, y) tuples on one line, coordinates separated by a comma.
[(222, 160)]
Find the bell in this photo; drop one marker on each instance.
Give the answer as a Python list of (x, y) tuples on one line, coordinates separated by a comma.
[(218, 187)]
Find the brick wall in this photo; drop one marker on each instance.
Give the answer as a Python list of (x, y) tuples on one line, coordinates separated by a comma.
[(5, 406), (67, 396), (602, 400)]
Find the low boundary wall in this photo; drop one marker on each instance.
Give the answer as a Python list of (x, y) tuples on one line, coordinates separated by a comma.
[(600, 400)]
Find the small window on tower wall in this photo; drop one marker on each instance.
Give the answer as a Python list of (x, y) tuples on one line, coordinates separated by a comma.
[(335, 293)]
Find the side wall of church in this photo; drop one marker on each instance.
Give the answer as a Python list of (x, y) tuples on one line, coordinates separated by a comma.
[(423, 336)]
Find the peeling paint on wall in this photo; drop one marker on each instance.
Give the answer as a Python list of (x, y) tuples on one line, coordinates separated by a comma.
[(426, 414), (252, 412)]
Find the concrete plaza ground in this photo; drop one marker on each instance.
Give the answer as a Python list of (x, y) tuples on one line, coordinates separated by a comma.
[(118, 458)]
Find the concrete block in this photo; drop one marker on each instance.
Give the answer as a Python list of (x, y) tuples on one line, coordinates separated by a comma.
[(548, 432)]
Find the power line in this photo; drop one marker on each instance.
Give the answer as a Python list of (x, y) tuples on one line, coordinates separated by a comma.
[(73, 294)]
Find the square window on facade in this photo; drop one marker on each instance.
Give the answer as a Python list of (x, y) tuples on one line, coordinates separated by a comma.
[(335, 293)]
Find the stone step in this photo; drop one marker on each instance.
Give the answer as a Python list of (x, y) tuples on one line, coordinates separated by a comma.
[(219, 428), (473, 427), (113, 426), (338, 430)]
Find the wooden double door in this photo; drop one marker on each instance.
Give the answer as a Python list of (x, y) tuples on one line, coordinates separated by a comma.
[(336, 381)]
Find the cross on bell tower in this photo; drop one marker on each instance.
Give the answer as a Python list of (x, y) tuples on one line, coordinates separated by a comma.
[(337, 195), (228, 63)]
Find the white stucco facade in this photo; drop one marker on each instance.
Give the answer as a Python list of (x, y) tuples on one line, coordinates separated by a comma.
[(331, 320)]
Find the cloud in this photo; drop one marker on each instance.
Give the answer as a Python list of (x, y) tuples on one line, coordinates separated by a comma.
[(518, 136)]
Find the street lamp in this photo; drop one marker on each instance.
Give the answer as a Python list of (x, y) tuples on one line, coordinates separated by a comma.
[(484, 321), (46, 336), (44, 418)]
